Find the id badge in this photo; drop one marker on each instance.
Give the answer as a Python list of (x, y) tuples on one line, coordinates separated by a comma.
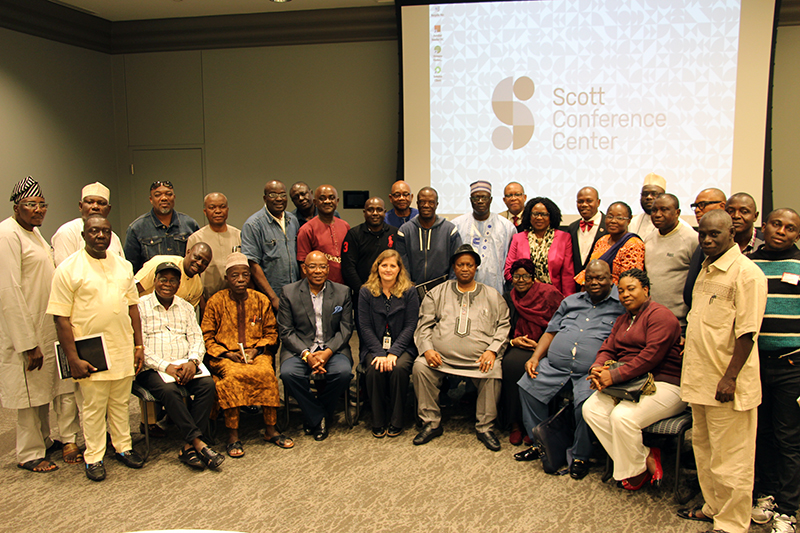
[(387, 342)]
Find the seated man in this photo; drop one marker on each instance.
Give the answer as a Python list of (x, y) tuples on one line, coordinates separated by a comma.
[(566, 352), (315, 317), (241, 338), (173, 345), (462, 331), (197, 259)]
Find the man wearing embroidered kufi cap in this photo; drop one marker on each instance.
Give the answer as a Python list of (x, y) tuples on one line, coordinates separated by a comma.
[(28, 370), (653, 185), (95, 199)]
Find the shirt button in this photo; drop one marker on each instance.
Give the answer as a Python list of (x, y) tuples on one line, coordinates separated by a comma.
[(587, 320), (576, 342)]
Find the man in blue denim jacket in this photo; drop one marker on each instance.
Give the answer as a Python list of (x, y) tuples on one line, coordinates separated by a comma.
[(161, 231)]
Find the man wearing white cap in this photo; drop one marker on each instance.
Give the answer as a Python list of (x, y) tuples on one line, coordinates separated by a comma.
[(489, 234), (653, 185), (95, 199)]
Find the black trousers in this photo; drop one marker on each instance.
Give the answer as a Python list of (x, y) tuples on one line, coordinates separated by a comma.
[(778, 437), (192, 423), (388, 390), (513, 368)]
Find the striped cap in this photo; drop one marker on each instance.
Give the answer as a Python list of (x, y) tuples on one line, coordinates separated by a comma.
[(26, 189)]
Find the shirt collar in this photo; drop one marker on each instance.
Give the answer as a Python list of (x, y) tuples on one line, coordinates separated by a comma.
[(158, 223), (724, 261), (273, 217)]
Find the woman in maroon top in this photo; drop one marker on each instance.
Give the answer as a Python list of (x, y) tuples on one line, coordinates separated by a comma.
[(531, 305), (646, 339)]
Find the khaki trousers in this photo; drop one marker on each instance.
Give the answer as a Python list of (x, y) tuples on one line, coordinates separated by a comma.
[(724, 443), (33, 427), (427, 382), (101, 399)]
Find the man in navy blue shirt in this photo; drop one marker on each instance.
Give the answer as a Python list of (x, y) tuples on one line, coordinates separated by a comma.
[(401, 200)]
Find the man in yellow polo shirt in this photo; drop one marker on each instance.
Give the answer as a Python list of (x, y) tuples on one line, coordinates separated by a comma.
[(197, 259)]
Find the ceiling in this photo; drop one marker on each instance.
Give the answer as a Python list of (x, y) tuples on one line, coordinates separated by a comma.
[(119, 10)]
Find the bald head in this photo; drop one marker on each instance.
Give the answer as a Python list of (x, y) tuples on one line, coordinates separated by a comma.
[(215, 208), (315, 269), (197, 259), (708, 200), (715, 233), (588, 202)]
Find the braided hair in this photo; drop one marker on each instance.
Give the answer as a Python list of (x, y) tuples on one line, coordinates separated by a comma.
[(638, 274)]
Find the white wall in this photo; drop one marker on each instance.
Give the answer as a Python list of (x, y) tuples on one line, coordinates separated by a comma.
[(56, 123)]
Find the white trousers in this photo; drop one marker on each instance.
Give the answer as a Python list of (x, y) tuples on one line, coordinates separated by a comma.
[(103, 399), (724, 443), (33, 427), (619, 427)]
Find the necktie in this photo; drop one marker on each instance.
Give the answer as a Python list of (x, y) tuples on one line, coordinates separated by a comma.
[(586, 225), (515, 219)]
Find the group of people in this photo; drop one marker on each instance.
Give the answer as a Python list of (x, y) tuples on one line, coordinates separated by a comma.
[(521, 308)]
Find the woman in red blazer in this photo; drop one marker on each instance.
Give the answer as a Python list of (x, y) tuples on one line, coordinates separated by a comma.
[(548, 247)]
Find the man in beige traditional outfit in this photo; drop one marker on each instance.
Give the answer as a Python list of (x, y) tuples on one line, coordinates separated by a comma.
[(720, 377), (93, 293), (241, 337), (95, 200), (221, 237), (28, 370), (463, 330)]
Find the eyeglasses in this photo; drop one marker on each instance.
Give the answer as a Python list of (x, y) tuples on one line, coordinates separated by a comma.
[(159, 183), (34, 205), (521, 277), (169, 281), (701, 206), (539, 214), (400, 194), (478, 199), (621, 219), (514, 195), (274, 195), (313, 267)]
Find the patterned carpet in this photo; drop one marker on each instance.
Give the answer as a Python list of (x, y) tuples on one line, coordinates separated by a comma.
[(350, 482)]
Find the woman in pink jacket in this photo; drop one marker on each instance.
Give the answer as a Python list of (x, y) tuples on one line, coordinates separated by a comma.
[(548, 247)]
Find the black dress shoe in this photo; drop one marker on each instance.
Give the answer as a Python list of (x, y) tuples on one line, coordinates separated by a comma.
[(427, 434), (489, 440), (578, 469), (321, 431), (529, 454), (131, 459), (96, 471)]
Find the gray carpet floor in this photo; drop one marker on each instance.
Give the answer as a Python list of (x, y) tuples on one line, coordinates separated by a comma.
[(349, 482)]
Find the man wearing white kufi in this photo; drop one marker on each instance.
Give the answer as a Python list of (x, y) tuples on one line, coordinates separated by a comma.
[(95, 198), (653, 185), (28, 371)]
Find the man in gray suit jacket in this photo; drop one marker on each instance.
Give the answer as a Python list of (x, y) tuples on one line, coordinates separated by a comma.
[(315, 321)]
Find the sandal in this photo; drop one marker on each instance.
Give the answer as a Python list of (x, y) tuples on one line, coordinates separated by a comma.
[(694, 513), (72, 454), (213, 459), (234, 447), (281, 441), (35, 465), (188, 456)]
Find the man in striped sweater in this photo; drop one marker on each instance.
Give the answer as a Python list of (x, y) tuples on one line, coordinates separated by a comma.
[(778, 442)]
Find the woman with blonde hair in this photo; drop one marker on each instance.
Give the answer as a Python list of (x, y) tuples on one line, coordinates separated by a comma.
[(388, 309)]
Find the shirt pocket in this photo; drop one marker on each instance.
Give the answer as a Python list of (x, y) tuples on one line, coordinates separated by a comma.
[(270, 249), (152, 246)]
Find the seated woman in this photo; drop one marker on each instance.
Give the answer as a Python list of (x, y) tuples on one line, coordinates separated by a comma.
[(619, 248), (540, 240), (241, 335), (388, 309), (531, 305), (646, 339)]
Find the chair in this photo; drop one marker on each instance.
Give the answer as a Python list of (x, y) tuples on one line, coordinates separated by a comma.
[(675, 426), (315, 379), (147, 405), (425, 288)]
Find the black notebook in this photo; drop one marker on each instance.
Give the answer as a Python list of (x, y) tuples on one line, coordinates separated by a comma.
[(91, 349)]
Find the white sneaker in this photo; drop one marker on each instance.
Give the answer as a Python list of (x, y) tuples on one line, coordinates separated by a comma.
[(784, 524), (762, 512)]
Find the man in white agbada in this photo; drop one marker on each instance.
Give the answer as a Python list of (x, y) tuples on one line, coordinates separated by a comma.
[(489, 234), (28, 370), (95, 199), (653, 186)]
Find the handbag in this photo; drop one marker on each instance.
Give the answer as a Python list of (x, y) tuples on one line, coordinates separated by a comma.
[(633, 389), (553, 437)]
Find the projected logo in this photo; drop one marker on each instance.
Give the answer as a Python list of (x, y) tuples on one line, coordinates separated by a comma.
[(514, 114)]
